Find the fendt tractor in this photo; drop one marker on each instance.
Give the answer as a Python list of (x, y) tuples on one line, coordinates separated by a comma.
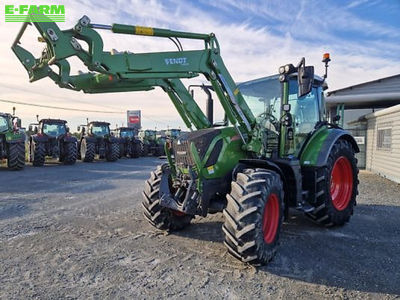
[(151, 143), (95, 138), (12, 141), (276, 150), (51, 137), (129, 145)]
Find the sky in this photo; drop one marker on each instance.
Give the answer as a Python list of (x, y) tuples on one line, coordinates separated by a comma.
[(256, 37)]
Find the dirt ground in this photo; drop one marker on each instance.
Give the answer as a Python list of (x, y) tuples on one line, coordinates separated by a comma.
[(78, 232)]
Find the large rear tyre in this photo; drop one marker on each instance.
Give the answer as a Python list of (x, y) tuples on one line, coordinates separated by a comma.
[(113, 152), (135, 150), (87, 151), (70, 153), (158, 216), (337, 186), (159, 150), (121, 150), (38, 154), (144, 149), (16, 156), (254, 215)]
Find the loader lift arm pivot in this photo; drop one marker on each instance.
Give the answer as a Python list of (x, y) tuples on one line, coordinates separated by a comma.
[(125, 71)]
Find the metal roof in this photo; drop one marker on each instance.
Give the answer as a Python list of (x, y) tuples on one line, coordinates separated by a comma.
[(380, 93)]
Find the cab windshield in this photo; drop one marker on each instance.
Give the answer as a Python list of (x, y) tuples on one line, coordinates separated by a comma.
[(263, 96), (100, 130), (3, 124), (54, 129), (126, 133)]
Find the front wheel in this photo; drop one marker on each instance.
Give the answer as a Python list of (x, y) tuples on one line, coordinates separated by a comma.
[(157, 215), (112, 152), (87, 151), (254, 215), (38, 153), (70, 153), (336, 187)]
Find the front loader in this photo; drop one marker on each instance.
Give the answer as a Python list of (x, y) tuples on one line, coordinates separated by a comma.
[(275, 150), (12, 141)]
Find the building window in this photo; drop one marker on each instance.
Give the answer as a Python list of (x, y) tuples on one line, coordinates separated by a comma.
[(384, 139)]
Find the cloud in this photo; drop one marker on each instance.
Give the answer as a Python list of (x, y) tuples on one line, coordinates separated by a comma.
[(256, 37)]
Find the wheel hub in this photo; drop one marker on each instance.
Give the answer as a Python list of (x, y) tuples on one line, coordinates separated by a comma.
[(271, 218), (341, 186)]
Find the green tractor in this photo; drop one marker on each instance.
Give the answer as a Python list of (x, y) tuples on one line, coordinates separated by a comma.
[(51, 137), (95, 138), (12, 141), (151, 144), (276, 149), (129, 145)]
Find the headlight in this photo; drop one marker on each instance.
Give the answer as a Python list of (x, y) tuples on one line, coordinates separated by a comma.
[(281, 70), (282, 78), (287, 68)]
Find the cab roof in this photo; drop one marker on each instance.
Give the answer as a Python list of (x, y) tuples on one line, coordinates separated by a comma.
[(99, 123), (52, 121)]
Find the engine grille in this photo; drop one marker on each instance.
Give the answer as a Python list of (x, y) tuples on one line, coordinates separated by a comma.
[(182, 153)]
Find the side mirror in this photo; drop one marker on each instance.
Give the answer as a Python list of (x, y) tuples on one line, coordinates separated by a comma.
[(336, 119), (305, 78), (67, 129), (30, 128), (35, 130), (83, 129), (78, 128)]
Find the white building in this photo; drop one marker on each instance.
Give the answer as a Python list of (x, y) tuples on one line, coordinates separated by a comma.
[(377, 130)]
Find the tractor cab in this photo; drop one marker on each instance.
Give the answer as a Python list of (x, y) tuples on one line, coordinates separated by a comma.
[(99, 129), (284, 125), (126, 132), (53, 128)]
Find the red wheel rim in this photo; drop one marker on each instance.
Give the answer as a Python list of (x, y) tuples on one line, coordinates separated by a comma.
[(271, 218), (341, 183), (177, 213)]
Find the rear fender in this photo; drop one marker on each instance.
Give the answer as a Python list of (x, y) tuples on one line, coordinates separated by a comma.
[(319, 146)]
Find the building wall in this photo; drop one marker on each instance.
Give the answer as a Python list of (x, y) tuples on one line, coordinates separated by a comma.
[(381, 159)]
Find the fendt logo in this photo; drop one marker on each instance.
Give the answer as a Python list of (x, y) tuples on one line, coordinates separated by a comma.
[(176, 61), (34, 13)]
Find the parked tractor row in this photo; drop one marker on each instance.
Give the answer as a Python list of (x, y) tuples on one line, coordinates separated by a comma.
[(51, 138)]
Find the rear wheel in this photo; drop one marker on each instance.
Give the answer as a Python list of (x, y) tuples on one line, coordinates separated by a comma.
[(144, 149), (254, 215), (113, 152), (87, 151), (70, 153), (159, 216), (337, 187), (38, 154), (16, 156), (135, 149), (121, 150)]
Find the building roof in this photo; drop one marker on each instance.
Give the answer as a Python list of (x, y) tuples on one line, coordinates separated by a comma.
[(379, 93)]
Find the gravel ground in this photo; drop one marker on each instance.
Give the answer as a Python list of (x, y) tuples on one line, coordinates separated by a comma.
[(78, 232)]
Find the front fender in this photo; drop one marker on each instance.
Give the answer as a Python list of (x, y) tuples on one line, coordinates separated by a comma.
[(70, 139), (319, 146), (90, 139), (39, 138)]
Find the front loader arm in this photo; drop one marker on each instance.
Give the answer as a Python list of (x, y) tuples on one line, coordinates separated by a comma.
[(125, 71)]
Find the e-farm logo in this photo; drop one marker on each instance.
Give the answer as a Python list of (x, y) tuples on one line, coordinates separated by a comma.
[(34, 13)]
